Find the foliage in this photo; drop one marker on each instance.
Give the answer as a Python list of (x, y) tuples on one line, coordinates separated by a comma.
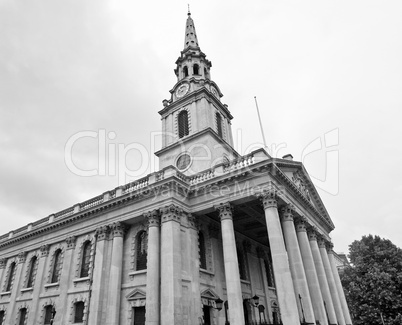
[(373, 283)]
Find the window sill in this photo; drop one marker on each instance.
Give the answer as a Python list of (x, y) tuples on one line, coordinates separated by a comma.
[(27, 289), (207, 272), (51, 285), (137, 272), (5, 293), (81, 279), (245, 281)]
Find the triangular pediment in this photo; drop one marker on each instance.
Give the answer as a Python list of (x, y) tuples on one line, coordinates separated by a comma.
[(299, 181), (209, 294), (136, 294)]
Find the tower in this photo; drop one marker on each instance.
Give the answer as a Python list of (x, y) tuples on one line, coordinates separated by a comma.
[(196, 125)]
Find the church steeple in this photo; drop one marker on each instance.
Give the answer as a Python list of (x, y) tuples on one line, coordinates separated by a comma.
[(190, 39), (196, 127)]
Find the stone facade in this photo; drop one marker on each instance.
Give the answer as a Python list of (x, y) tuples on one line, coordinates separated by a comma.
[(166, 249)]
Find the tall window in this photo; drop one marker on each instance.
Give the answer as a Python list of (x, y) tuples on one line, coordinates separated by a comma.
[(79, 312), (56, 266), (185, 71), (139, 316), (219, 124), (48, 314), (202, 251), (196, 69), (22, 316), (10, 278), (2, 317), (268, 271), (85, 259), (183, 123), (242, 264), (32, 270), (141, 250)]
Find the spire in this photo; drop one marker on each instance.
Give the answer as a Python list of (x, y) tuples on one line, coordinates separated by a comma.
[(190, 37)]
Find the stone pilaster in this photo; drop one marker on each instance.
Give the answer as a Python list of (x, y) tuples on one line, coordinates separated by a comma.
[(116, 268), (232, 275), (153, 269), (38, 285), (306, 312), (283, 279), (98, 277), (171, 309), (195, 306), (66, 277), (339, 287), (311, 273), (331, 283), (3, 263), (322, 277)]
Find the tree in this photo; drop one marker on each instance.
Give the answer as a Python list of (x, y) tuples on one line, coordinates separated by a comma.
[(373, 282)]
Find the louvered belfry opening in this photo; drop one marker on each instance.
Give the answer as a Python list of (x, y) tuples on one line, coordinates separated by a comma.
[(219, 124), (183, 124)]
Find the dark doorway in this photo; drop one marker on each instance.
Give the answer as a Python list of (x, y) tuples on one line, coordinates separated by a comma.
[(206, 310), (139, 316)]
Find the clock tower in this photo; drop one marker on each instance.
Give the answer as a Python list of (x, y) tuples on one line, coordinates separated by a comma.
[(196, 125)]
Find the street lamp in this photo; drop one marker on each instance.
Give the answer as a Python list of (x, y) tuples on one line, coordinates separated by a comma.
[(219, 304), (256, 300)]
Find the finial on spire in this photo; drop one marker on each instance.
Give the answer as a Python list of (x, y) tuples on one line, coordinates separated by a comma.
[(189, 13)]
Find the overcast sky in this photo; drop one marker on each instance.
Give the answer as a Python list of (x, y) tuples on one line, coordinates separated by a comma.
[(327, 76)]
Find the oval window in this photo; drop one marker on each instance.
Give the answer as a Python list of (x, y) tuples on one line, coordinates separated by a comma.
[(183, 161)]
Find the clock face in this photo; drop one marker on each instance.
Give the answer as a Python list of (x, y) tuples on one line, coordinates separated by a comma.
[(214, 91), (182, 90)]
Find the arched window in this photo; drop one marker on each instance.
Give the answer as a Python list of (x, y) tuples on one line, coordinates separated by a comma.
[(183, 123), (242, 264), (185, 71), (22, 316), (85, 259), (219, 124), (196, 69), (79, 307), (56, 267), (48, 314), (10, 278), (142, 251), (202, 250), (32, 271)]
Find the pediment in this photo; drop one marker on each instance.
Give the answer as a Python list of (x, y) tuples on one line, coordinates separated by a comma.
[(136, 294), (299, 181), (209, 294)]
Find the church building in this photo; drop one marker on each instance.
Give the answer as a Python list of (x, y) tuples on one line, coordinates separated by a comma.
[(211, 238)]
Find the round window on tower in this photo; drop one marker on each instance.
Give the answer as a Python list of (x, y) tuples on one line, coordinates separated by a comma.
[(183, 162)]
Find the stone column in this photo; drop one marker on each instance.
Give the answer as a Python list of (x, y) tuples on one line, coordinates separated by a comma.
[(232, 275), (152, 316), (114, 292), (98, 278), (331, 283), (15, 290), (283, 279), (171, 265), (306, 312), (195, 271), (311, 273), (339, 287), (39, 278), (322, 278), (65, 278)]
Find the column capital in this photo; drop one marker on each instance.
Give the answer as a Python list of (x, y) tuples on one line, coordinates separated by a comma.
[(101, 233), (71, 242), (3, 262), (153, 217), (268, 197), (117, 229), (22, 257), (193, 222), (171, 213), (44, 250), (301, 223), (312, 233), (225, 211), (287, 212)]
